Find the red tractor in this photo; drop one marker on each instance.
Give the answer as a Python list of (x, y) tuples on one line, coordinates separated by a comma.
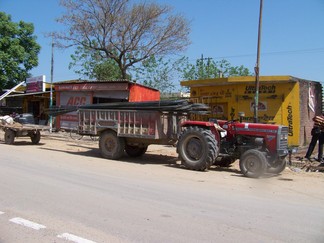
[(260, 148)]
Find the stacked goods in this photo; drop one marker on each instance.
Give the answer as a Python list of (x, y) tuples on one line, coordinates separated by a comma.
[(6, 120), (319, 121), (182, 106)]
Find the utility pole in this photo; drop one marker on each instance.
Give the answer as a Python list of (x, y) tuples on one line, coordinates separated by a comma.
[(51, 89), (207, 67), (257, 67)]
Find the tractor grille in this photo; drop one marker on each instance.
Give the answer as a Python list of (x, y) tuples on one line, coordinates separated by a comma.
[(283, 138)]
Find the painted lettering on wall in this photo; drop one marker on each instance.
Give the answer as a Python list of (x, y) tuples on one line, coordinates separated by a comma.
[(263, 89), (224, 93), (290, 121), (265, 118), (75, 101)]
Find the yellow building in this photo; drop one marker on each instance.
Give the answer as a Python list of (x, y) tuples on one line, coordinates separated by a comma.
[(285, 100)]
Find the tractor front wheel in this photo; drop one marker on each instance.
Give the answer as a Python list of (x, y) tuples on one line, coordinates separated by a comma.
[(278, 166), (197, 148), (253, 163)]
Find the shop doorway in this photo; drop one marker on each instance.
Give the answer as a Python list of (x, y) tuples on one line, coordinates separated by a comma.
[(34, 108)]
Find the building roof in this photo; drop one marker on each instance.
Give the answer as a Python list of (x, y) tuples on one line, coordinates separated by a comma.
[(240, 79), (26, 94), (80, 81)]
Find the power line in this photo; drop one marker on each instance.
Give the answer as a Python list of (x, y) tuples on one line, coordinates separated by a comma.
[(276, 53), (302, 51)]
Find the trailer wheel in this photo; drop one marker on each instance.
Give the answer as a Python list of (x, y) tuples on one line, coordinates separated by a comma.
[(9, 136), (111, 146), (197, 148), (135, 151), (35, 137), (253, 163), (278, 166)]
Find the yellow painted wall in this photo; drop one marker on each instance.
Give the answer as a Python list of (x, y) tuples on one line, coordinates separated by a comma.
[(278, 103)]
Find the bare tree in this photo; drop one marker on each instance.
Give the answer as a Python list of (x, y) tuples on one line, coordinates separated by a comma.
[(124, 32)]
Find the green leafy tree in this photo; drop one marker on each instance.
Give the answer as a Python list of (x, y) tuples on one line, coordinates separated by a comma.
[(205, 68), (159, 73), (123, 31), (18, 51)]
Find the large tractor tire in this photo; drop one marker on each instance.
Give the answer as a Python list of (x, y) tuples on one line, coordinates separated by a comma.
[(111, 146), (197, 148), (278, 166), (9, 136), (253, 163), (135, 151), (35, 137)]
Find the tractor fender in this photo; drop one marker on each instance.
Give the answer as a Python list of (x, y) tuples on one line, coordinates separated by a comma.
[(213, 127)]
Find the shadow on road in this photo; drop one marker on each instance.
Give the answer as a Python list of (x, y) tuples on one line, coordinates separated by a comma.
[(23, 143), (148, 158), (89, 153)]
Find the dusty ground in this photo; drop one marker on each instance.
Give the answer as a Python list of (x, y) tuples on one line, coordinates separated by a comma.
[(235, 206), (62, 141)]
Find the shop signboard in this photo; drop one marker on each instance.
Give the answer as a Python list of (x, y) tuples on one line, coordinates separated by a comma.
[(70, 120), (35, 84)]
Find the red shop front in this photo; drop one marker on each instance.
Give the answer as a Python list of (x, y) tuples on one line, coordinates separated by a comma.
[(76, 93)]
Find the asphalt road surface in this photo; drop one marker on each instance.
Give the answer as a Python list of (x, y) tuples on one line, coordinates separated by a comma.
[(63, 191)]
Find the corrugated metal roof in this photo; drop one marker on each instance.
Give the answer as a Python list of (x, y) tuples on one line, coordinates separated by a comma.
[(26, 94), (80, 81), (73, 81)]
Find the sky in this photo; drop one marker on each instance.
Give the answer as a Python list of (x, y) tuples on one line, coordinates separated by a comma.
[(292, 36)]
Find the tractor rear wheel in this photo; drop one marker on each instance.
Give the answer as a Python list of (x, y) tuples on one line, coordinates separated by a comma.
[(135, 151), (278, 166), (111, 146), (253, 163), (197, 148)]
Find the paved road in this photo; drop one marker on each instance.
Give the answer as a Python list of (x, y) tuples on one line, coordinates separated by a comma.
[(52, 193)]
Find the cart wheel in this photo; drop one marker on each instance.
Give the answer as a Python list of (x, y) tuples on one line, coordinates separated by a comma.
[(35, 137), (9, 136)]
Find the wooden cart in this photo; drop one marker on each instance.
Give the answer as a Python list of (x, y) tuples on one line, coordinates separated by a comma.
[(22, 130)]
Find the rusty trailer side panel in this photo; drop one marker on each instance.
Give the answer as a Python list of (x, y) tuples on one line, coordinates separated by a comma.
[(131, 123)]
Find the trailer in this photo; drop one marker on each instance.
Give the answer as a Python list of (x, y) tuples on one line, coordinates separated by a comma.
[(129, 130)]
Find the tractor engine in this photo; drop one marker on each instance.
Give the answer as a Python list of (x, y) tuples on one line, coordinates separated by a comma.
[(261, 140)]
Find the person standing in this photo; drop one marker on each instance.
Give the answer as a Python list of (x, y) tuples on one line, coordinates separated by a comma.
[(320, 148), (317, 135)]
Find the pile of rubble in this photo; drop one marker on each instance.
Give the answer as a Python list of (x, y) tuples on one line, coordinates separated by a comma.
[(298, 160)]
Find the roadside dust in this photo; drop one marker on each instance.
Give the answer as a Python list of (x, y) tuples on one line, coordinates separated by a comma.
[(164, 155)]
